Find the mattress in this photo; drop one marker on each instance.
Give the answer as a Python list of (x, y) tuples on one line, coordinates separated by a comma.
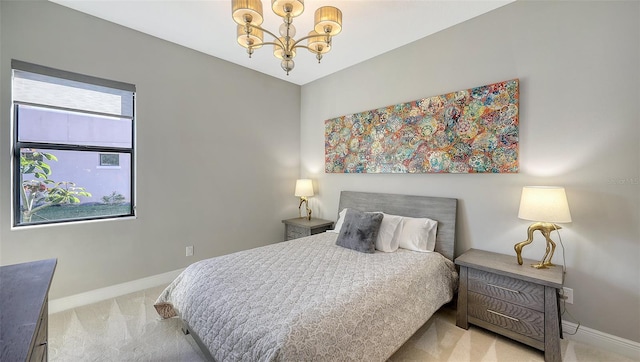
[(309, 299)]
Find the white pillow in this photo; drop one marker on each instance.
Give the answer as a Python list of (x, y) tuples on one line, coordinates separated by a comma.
[(389, 232), (336, 228), (418, 234)]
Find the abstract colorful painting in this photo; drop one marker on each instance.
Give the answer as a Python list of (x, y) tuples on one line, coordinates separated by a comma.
[(469, 131)]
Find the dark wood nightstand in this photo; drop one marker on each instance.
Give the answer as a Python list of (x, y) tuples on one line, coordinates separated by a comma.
[(517, 301), (299, 227)]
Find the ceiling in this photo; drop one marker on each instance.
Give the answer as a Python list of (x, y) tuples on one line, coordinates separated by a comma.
[(370, 28)]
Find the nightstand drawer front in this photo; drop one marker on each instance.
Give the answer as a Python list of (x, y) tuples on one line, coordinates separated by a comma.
[(508, 289), (40, 346), (322, 229), (295, 232), (511, 317), (300, 227)]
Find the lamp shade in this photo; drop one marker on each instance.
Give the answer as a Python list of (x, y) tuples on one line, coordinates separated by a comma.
[(304, 188), (328, 20), (545, 204), (317, 43), (256, 36), (242, 10), (284, 7), (279, 53)]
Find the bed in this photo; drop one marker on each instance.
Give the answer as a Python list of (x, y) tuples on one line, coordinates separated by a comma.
[(310, 299)]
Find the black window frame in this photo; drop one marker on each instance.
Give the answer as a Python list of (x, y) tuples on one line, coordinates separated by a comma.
[(17, 145)]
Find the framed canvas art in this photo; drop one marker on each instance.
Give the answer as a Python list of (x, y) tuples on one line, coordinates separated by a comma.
[(469, 131)]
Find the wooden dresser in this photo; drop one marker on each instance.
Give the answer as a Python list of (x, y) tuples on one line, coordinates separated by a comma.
[(24, 290), (517, 301)]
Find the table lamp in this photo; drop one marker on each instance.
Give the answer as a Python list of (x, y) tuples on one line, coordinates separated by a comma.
[(546, 205), (304, 189)]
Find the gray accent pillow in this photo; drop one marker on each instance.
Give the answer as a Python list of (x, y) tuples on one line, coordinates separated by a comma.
[(359, 231)]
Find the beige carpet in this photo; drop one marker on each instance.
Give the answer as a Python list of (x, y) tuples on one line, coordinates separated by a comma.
[(127, 328)]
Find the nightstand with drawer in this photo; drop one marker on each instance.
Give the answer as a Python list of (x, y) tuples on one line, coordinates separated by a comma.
[(517, 301), (300, 227)]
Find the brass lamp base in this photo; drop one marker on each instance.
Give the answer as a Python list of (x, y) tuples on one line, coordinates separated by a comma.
[(545, 228), (304, 200)]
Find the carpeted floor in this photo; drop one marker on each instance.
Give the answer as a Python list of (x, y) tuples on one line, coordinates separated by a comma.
[(127, 328)]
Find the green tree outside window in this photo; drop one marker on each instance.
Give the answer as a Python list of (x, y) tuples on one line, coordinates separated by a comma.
[(44, 192)]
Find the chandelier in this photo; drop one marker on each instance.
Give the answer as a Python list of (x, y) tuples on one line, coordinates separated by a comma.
[(248, 15)]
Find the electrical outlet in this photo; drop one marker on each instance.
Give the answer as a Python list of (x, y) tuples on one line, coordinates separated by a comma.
[(189, 251), (567, 295)]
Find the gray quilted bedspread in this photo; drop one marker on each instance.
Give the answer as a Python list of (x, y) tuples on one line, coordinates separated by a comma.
[(309, 300)]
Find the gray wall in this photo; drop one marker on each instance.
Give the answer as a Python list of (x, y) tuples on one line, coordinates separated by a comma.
[(211, 172), (578, 65)]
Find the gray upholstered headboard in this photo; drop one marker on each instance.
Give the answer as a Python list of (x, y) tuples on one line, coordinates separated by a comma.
[(441, 209)]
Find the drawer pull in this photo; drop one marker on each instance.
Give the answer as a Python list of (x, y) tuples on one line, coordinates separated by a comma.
[(503, 315), (43, 344), (503, 288)]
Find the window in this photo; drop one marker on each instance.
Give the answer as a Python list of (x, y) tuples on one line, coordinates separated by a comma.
[(62, 123), (110, 160)]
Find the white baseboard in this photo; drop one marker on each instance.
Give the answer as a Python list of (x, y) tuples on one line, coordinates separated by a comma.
[(93, 296), (601, 340)]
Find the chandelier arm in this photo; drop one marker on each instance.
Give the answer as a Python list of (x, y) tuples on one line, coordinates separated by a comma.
[(295, 44), (280, 43), (265, 43), (306, 47), (316, 52), (258, 45)]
